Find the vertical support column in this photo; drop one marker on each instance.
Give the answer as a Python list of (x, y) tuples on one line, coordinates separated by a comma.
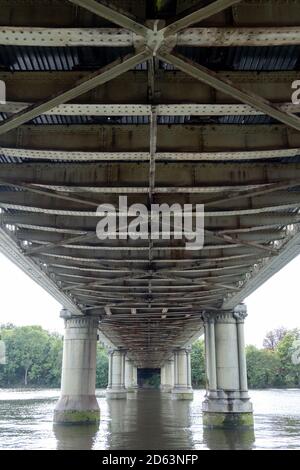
[(78, 403), (109, 369), (227, 403), (240, 313), (167, 376), (182, 375), (210, 355), (134, 377), (134, 374), (170, 374), (130, 376), (116, 382), (163, 377)]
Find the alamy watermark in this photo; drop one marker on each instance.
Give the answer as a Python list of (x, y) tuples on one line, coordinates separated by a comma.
[(2, 92), (296, 93), (161, 221)]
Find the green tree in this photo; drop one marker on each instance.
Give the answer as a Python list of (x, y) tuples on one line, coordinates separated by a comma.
[(101, 367), (53, 361), (263, 368), (198, 364), (289, 371), (273, 337), (33, 357)]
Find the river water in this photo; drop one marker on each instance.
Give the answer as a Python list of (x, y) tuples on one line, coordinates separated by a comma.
[(152, 421)]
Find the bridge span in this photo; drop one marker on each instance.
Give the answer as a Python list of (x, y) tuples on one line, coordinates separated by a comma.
[(164, 102)]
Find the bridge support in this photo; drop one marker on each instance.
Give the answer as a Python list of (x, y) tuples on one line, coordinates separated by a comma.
[(130, 378), (116, 375), (167, 376), (78, 403), (227, 402), (182, 375)]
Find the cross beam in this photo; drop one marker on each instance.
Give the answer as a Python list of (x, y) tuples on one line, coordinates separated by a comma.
[(100, 77), (209, 77)]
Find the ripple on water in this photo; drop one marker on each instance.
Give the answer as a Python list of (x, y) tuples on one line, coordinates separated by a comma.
[(152, 421)]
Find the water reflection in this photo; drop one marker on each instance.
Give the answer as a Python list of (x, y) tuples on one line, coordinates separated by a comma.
[(71, 437), (150, 422), (219, 439)]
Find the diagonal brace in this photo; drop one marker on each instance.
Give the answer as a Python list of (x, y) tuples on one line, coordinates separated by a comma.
[(209, 77), (94, 80)]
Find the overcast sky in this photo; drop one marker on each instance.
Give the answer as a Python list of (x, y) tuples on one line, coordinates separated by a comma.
[(274, 304)]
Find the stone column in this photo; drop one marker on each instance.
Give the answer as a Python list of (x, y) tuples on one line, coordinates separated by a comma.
[(78, 403), (182, 375), (130, 377), (167, 376), (163, 377), (240, 313), (134, 377), (227, 403), (210, 355), (116, 382)]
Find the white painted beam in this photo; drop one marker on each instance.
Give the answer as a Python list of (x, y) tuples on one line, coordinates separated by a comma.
[(227, 37), (219, 213), (189, 109), (120, 37), (65, 37), (63, 155)]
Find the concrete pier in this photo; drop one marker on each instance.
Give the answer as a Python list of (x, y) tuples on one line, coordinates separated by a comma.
[(227, 402), (182, 375), (130, 378), (167, 376), (78, 403), (116, 375)]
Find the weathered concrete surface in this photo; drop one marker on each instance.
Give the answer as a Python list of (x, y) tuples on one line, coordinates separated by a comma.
[(78, 403), (228, 420), (116, 381), (182, 375), (227, 402)]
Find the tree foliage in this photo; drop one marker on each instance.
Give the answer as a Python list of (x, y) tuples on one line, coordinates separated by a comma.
[(273, 337), (101, 367), (274, 366), (34, 357), (262, 367), (290, 372), (198, 364)]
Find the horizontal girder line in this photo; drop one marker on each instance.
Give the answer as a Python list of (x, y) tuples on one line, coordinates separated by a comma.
[(182, 138), (224, 213), (121, 37), (145, 110)]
